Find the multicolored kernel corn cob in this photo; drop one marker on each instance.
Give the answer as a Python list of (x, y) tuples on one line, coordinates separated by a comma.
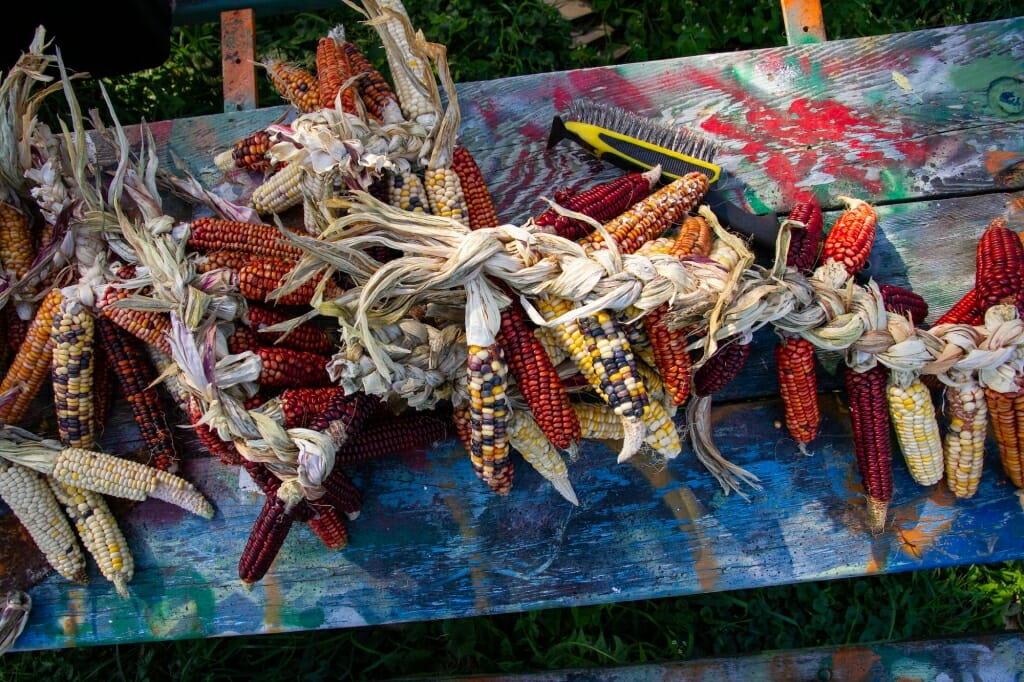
[(406, 191), (374, 89), (445, 195), (249, 153), (869, 415), (598, 421), (966, 413), (293, 83), (850, 240), (31, 364), (488, 412), (73, 339), (601, 202), (285, 189), (30, 498)]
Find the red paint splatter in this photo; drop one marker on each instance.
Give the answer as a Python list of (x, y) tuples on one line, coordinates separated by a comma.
[(610, 87)]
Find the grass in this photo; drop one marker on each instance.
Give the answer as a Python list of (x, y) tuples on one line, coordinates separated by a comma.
[(496, 40)]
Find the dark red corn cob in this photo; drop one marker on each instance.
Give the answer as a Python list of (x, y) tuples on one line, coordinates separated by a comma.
[(266, 538), (345, 414), (721, 368), (903, 301), (999, 274), (287, 368), (131, 365), (395, 436), (306, 336), (103, 386), (374, 88), (302, 406), (329, 526), (964, 311), (222, 449), (794, 359), (805, 243), (537, 378), (869, 414), (341, 493), (852, 236), (601, 202)]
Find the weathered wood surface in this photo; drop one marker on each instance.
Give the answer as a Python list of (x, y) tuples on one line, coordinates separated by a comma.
[(993, 658), (939, 159)]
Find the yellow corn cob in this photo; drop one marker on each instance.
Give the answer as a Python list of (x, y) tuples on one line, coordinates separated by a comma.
[(285, 189), (31, 364), (526, 436), (16, 250), (598, 421), (127, 479), (917, 430), (73, 343), (31, 500), (99, 532), (444, 192), (964, 443), (662, 435), (661, 245), (407, 192), (552, 345)]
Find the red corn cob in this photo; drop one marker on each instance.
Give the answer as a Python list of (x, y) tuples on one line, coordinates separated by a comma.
[(721, 368), (333, 70), (302, 406), (329, 526), (287, 368), (393, 436), (268, 534), (601, 202), (999, 275), (150, 326), (474, 190), (374, 89), (136, 376), (964, 311), (798, 387), (214, 444), (805, 244), (869, 416), (258, 279), (903, 301), (306, 336), (852, 236), (103, 386), (208, 234), (242, 339), (224, 258)]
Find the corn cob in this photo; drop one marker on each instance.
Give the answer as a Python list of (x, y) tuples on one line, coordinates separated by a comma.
[(794, 360), (695, 238), (329, 526), (333, 71), (16, 249), (209, 234), (343, 414), (259, 279), (73, 338), (444, 194), (866, 393), (662, 435), (406, 191), (224, 450), (479, 205), (964, 311), (410, 73), (124, 478), (150, 326), (287, 368), (966, 415), (1006, 412), (136, 376), (652, 215), (269, 531), (298, 407), (917, 430), (293, 83), (999, 273), (903, 301), (527, 438), (99, 532), (249, 153), (374, 89), (282, 190), (31, 364), (394, 436), (16, 329), (488, 411), (805, 243), (30, 499), (721, 368), (850, 240), (601, 202), (103, 383), (598, 421), (463, 426), (537, 378), (306, 336)]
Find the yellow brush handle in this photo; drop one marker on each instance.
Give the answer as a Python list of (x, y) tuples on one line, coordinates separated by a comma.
[(639, 152)]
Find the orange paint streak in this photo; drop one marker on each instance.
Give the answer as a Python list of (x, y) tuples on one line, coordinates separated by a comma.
[(853, 663), (804, 21), (917, 533), (996, 160), (272, 601)]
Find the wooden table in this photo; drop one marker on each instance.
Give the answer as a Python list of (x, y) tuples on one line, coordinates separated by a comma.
[(929, 126)]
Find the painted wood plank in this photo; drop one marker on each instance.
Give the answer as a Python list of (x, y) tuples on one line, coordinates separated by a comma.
[(433, 542), (238, 54), (994, 658)]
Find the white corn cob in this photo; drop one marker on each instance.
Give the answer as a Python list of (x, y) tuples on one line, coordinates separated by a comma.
[(444, 191), (410, 72), (285, 189), (29, 496)]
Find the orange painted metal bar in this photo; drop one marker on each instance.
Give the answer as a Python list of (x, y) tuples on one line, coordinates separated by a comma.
[(238, 52), (804, 20)]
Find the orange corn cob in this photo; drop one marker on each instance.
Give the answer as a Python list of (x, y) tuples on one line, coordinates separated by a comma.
[(1006, 412), (694, 239), (805, 243), (31, 364), (601, 202), (333, 71), (903, 301), (652, 215), (293, 83), (150, 326), (16, 249), (306, 336), (135, 375), (852, 236), (287, 368), (209, 234), (215, 260), (260, 278), (869, 415), (394, 436), (999, 274), (794, 359), (374, 89), (479, 205)]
